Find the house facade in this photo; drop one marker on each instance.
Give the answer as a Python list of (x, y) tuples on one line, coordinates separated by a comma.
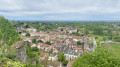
[(71, 54)]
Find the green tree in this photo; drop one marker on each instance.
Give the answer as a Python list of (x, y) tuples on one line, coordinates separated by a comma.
[(48, 42), (92, 43), (11, 55), (79, 43), (24, 31), (109, 32), (29, 52), (100, 58), (86, 31), (61, 57), (65, 62), (40, 41), (98, 31), (75, 33), (8, 34), (33, 40), (35, 49), (27, 34), (104, 38)]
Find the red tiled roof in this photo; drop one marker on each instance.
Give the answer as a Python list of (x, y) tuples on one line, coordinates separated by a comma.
[(43, 54), (45, 45), (61, 44), (54, 39), (77, 48)]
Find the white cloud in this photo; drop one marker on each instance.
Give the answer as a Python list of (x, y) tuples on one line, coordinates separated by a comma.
[(54, 8)]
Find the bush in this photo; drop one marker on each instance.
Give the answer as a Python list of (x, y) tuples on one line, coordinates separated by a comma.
[(30, 53), (48, 42), (79, 43), (34, 40), (92, 43), (61, 57), (65, 62), (100, 58), (11, 56), (40, 41), (34, 49), (27, 35)]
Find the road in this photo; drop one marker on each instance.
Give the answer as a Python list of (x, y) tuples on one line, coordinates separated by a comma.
[(109, 42), (94, 45)]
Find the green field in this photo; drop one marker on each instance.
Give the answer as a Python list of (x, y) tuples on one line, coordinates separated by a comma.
[(115, 48)]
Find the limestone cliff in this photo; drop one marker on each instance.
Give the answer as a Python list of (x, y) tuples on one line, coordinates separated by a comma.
[(20, 54)]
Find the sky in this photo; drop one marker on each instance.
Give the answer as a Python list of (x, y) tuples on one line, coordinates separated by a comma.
[(60, 9)]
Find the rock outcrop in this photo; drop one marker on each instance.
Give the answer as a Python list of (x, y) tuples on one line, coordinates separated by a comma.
[(20, 54)]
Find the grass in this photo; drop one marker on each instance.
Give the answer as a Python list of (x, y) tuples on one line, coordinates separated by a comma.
[(99, 38), (115, 48), (92, 43)]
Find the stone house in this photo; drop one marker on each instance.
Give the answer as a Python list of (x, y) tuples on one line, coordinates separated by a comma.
[(53, 57), (44, 56), (71, 54), (45, 47), (31, 30)]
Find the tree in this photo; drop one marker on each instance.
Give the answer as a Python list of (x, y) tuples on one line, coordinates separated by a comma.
[(109, 32), (104, 38), (75, 33), (27, 34), (27, 26), (48, 42), (116, 39), (98, 31), (24, 31), (61, 57), (8, 33), (8, 36), (86, 31), (79, 43), (35, 49), (30, 53), (65, 62), (40, 41), (92, 43), (33, 40), (100, 58)]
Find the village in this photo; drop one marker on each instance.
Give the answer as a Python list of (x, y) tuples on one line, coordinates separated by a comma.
[(55, 42), (59, 33)]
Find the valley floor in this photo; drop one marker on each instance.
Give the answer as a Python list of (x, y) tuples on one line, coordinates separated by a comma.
[(115, 48)]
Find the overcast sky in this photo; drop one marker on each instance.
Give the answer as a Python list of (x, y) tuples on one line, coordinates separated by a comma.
[(60, 9)]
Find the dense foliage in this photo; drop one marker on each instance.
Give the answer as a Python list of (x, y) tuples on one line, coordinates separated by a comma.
[(8, 35), (27, 34), (61, 57), (79, 43), (33, 40), (30, 53), (100, 58), (65, 62), (48, 42)]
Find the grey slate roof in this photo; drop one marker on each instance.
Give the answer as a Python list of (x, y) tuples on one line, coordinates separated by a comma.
[(71, 52)]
